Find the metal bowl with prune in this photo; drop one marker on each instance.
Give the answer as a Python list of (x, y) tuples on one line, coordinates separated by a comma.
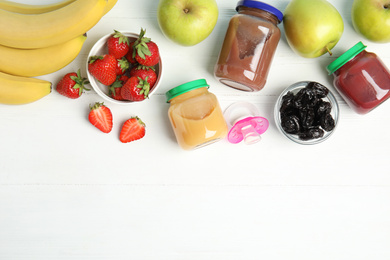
[(306, 112)]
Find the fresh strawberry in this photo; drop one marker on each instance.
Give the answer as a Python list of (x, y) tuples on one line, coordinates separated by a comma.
[(115, 89), (135, 89), (129, 55), (118, 45), (101, 117), (123, 78), (72, 85), (122, 66), (133, 129), (103, 68), (145, 51), (145, 73)]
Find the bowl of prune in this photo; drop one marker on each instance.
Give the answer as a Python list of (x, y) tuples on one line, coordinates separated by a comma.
[(306, 112)]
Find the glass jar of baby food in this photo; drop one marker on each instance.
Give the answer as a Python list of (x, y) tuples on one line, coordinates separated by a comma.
[(195, 115), (361, 78), (249, 46)]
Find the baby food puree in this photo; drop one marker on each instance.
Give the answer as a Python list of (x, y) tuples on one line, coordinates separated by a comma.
[(249, 46), (195, 115), (361, 78)]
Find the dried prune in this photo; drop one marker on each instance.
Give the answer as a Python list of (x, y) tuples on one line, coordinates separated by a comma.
[(323, 107), (291, 124), (307, 117), (320, 90), (312, 133), (289, 111), (327, 122), (305, 113), (305, 98), (287, 102)]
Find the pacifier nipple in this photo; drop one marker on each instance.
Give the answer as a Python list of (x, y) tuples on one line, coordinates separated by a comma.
[(250, 135), (245, 123)]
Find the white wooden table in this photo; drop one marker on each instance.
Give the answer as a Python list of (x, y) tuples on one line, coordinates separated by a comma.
[(68, 191)]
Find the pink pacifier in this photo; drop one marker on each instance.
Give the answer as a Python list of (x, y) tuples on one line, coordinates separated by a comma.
[(244, 123)]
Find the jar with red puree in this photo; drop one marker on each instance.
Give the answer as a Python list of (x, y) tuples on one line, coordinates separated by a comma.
[(249, 46), (361, 78)]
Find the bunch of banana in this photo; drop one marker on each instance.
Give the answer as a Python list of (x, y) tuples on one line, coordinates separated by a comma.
[(40, 39)]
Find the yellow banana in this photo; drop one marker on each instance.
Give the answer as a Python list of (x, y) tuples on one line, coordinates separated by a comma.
[(28, 31), (15, 90), (32, 9), (39, 9), (38, 62)]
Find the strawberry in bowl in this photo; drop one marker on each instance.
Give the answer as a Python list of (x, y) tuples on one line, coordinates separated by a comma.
[(135, 55)]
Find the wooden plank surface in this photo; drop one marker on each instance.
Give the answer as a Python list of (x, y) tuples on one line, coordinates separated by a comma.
[(68, 191)]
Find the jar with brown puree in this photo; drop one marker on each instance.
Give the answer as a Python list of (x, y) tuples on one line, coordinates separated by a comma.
[(249, 46)]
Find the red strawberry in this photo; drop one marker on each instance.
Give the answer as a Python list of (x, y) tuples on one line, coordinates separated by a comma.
[(145, 73), (103, 68), (72, 85), (122, 66), (133, 129), (118, 45), (123, 78), (129, 55), (115, 89), (101, 117), (145, 51), (135, 89)]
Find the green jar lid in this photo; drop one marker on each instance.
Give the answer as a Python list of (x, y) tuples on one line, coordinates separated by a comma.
[(183, 88), (345, 57)]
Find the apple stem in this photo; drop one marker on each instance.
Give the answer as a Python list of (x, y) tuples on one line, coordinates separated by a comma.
[(327, 49), (186, 10), (386, 6)]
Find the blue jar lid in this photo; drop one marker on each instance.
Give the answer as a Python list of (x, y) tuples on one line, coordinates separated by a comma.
[(261, 5)]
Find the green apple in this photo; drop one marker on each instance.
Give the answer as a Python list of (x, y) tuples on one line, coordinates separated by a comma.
[(187, 22), (371, 18), (312, 27)]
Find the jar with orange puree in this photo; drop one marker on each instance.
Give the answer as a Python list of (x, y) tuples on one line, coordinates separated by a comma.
[(195, 115)]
